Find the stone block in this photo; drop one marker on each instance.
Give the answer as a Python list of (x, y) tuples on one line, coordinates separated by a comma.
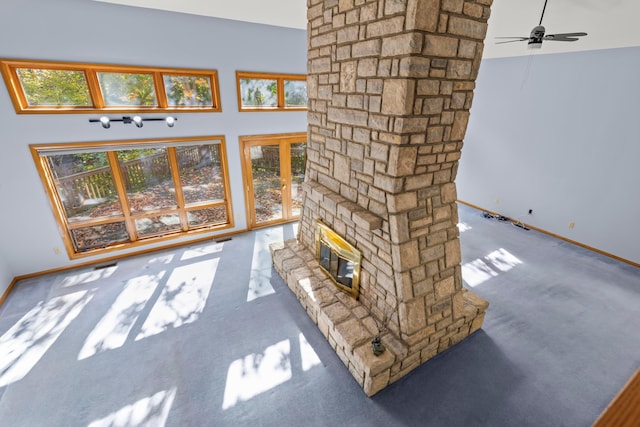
[(467, 28), (412, 316), (457, 303), (403, 44), (372, 385), (441, 213), (399, 227), (392, 7), (423, 15), (459, 125), (348, 117), (342, 168), (385, 27), (459, 69), (371, 364), (452, 253), (397, 96), (473, 10), (348, 76), (477, 323), (455, 6), (388, 183), (367, 220), (414, 67), (350, 334), (337, 312), (441, 46), (444, 288), (410, 124), (323, 296), (433, 254), (401, 202), (476, 301), (405, 255), (366, 48)]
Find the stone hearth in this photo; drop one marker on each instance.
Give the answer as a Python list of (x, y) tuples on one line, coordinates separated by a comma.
[(390, 85)]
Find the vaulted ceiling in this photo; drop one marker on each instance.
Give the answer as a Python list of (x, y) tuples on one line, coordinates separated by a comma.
[(609, 24)]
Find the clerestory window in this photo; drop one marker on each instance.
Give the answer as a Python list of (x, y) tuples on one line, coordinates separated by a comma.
[(45, 87), (271, 92), (115, 195)]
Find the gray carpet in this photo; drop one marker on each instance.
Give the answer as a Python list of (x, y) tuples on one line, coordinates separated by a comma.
[(208, 335)]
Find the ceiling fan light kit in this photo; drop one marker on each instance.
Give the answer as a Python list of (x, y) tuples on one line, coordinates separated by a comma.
[(538, 34)]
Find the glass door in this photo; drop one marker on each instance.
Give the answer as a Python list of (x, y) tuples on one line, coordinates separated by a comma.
[(273, 173)]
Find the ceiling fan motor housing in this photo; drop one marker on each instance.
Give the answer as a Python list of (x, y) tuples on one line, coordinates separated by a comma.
[(536, 36)]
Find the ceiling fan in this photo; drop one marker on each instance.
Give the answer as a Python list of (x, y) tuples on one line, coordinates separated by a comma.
[(538, 35)]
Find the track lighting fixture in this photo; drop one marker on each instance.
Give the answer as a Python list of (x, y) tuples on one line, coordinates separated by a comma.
[(137, 120)]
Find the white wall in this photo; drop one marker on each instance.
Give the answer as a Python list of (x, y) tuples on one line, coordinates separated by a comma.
[(559, 134), (95, 32)]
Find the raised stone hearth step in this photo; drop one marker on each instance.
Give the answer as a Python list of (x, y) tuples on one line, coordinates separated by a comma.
[(349, 327)]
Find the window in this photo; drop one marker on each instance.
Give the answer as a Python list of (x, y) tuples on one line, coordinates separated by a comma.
[(113, 195), (273, 171), (45, 87), (271, 92)]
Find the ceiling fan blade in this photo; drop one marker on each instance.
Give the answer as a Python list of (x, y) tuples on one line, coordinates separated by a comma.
[(563, 35), (561, 39), (521, 39), (515, 39)]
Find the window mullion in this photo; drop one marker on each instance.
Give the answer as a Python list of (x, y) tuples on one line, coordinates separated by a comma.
[(280, 90), (94, 88), (161, 93), (122, 195), (175, 175)]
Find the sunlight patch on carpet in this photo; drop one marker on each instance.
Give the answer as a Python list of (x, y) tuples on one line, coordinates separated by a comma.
[(256, 373), (482, 269), (201, 251), (112, 330), (87, 276), (308, 355), (183, 298), (22, 346), (149, 411), (462, 226), (260, 279)]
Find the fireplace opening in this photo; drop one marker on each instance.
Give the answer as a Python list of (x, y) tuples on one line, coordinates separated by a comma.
[(338, 259)]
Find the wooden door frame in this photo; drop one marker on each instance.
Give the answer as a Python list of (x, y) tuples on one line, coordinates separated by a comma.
[(283, 141)]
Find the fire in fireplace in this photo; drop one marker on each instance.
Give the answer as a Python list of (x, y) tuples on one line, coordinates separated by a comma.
[(339, 259)]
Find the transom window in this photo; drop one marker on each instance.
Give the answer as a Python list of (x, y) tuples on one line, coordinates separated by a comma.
[(269, 92), (45, 87), (114, 195)]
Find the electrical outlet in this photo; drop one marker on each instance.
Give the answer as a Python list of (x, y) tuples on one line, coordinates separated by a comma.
[(56, 251), (497, 201), (572, 224)]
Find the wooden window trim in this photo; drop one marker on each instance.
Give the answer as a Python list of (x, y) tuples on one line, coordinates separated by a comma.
[(280, 79), (66, 227), (9, 67)]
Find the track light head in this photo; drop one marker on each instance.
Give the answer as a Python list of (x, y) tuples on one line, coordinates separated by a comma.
[(137, 120), (105, 122)]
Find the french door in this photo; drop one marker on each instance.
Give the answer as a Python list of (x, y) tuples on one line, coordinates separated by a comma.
[(273, 168)]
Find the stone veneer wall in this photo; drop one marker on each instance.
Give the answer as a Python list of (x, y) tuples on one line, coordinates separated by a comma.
[(390, 85)]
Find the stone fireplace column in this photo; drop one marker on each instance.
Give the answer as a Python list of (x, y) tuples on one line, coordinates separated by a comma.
[(390, 85)]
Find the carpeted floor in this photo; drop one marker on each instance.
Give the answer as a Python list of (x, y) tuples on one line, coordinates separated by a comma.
[(208, 335)]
